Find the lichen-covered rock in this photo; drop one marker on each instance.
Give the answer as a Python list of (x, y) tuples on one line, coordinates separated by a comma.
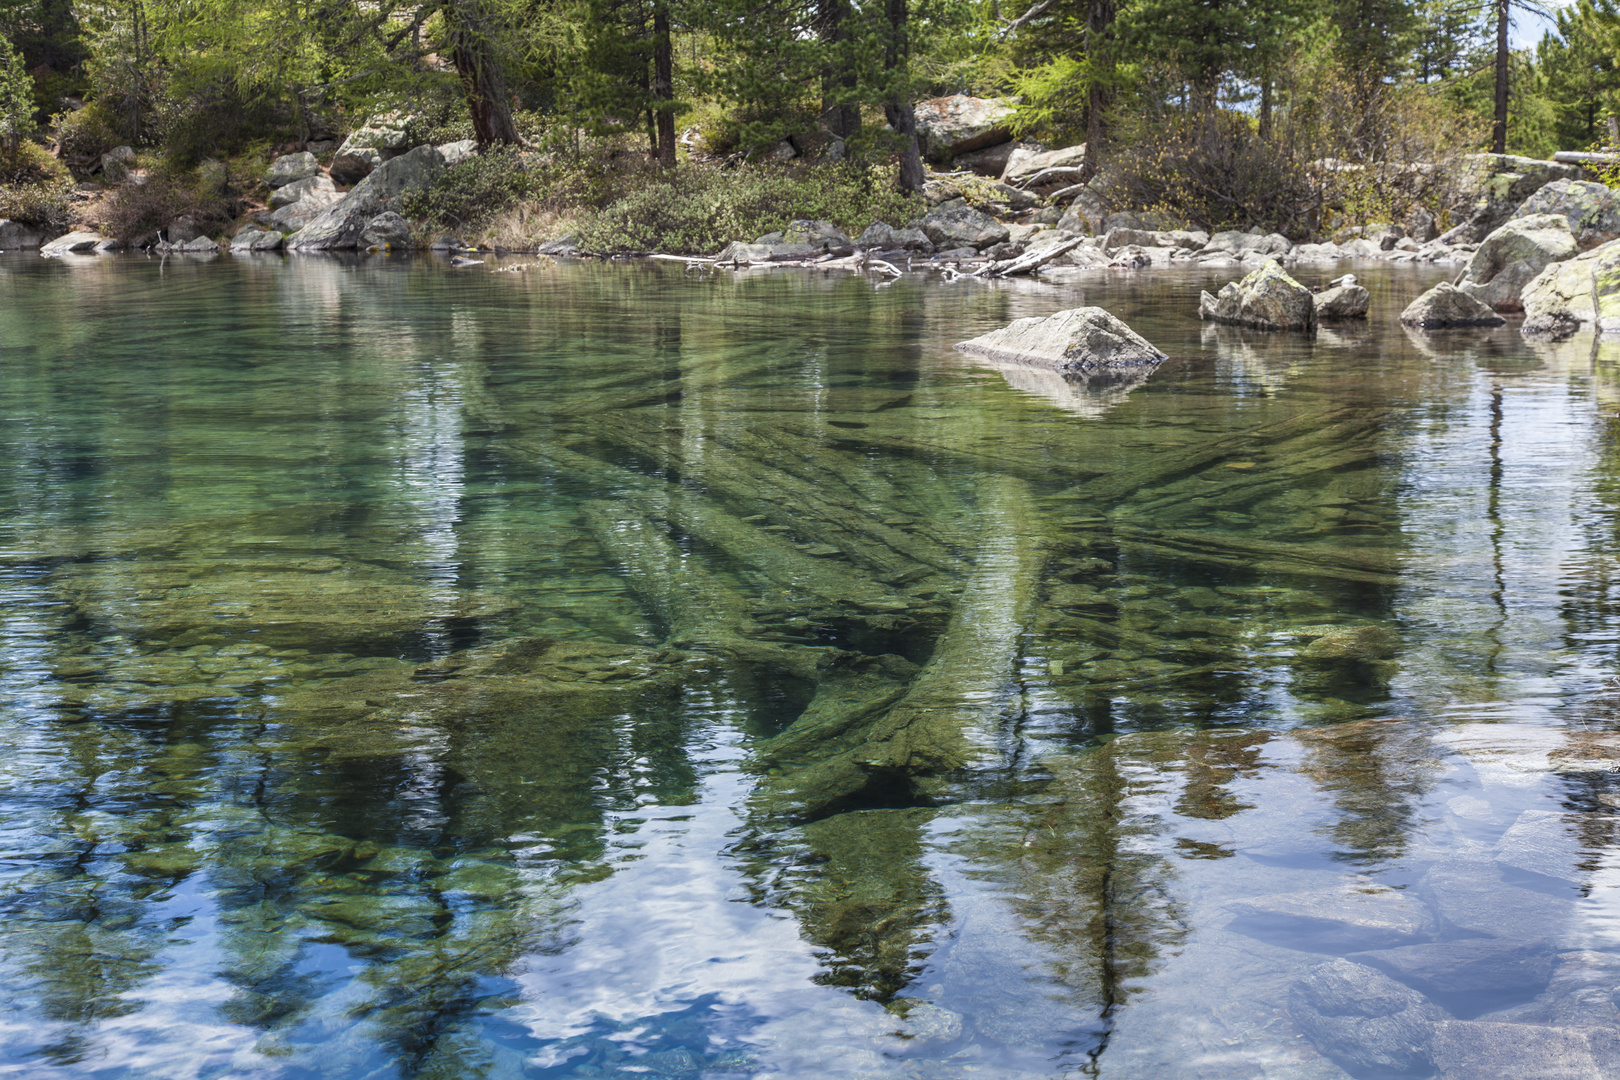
[(1490, 187), (254, 238), (291, 168), (1592, 210), (1342, 302), (298, 190), (1513, 255), (1078, 340), (958, 124), (956, 224), (1267, 299), (821, 234), (387, 231), (1582, 293), (1363, 1019), (1446, 305)]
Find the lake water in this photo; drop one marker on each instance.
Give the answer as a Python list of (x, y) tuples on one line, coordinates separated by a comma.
[(563, 671)]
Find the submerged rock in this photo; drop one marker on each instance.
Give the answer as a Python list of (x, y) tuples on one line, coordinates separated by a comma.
[(1582, 293), (1476, 1049), (1343, 302), (1342, 917), (1363, 1019), (1446, 305), (1592, 210), (1267, 299), (1076, 340), (1471, 966)]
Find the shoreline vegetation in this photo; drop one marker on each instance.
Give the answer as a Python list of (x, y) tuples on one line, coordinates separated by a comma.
[(802, 129)]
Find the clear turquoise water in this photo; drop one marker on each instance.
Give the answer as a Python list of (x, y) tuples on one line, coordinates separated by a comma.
[(418, 673)]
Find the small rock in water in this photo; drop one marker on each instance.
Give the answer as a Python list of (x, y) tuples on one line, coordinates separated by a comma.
[(1076, 340), (1346, 301), (1446, 305), (1267, 299), (462, 260)]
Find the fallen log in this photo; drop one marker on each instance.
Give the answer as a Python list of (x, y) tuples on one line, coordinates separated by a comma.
[(1030, 260), (1069, 174)]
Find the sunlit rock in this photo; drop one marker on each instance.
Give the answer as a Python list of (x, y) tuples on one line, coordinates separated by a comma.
[(1446, 305), (1267, 299), (1076, 340), (1513, 255)]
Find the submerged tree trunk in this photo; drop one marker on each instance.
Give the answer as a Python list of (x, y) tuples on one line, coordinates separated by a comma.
[(663, 88), (473, 51), (1499, 126), (898, 109)]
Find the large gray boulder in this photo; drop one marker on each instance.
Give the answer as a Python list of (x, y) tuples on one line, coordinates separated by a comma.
[(1592, 210), (387, 133), (1364, 1020), (992, 160), (1582, 293), (299, 190), (20, 236), (880, 236), (1267, 299), (74, 243), (955, 224), (1342, 302), (1510, 257), (1490, 187), (1022, 164), (290, 168), (818, 234), (340, 226), (1245, 243), (454, 153), (295, 216), (116, 164), (1076, 340), (254, 238), (353, 166), (1446, 305), (958, 124), (387, 232)]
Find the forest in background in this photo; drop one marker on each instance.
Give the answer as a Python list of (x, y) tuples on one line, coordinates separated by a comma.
[(1213, 113)]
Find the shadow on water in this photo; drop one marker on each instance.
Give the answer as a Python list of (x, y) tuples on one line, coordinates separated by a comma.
[(593, 671)]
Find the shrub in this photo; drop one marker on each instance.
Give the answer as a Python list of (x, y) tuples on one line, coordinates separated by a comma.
[(84, 135), (34, 187), (699, 209), (135, 209), (470, 193)]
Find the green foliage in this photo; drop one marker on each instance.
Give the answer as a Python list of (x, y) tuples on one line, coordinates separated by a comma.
[(1581, 68), (16, 98), (469, 194), (34, 187), (697, 210)]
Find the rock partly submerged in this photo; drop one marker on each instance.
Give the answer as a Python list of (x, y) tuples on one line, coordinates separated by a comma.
[(1341, 302), (1446, 305), (1512, 256), (1267, 299), (1076, 340), (1582, 293)]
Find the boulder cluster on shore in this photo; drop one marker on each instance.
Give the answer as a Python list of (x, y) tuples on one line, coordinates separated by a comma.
[(1532, 236)]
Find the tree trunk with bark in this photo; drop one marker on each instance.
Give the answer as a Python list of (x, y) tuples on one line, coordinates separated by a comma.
[(663, 87), (1499, 126), (838, 77), (483, 82), (898, 109)]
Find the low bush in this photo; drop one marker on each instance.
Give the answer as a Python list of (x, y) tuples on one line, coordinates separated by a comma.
[(469, 194), (138, 208), (699, 209), (34, 186)]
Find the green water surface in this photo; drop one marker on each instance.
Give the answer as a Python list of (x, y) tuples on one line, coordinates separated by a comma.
[(551, 670)]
